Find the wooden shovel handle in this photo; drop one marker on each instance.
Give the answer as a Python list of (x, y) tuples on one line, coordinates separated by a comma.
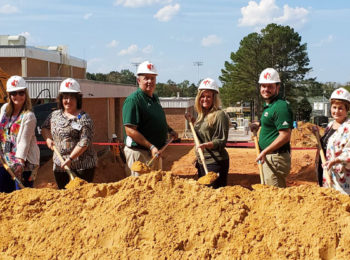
[(8, 169), (69, 171), (196, 141), (160, 151), (257, 150)]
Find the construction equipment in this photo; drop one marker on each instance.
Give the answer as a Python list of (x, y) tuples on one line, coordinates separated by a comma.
[(323, 157), (71, 174), (8, 169), (209, 177), (257, 149)]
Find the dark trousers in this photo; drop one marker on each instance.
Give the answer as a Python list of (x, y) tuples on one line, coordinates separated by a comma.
[(7, 184), (220, 167), (62, 178)]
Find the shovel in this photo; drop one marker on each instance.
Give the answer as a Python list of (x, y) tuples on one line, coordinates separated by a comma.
[(257, 149), (201, 155), (323, 157), (149, 163), (69, 171), (8, 169)]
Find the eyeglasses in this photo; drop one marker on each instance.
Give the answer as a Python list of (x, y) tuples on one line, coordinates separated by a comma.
[(14, 93)]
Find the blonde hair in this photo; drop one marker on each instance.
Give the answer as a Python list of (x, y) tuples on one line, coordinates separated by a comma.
[(27, 106), (211, 114)]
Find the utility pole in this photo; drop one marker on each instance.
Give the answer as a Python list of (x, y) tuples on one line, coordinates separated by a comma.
[(198, 64), (136, 64)]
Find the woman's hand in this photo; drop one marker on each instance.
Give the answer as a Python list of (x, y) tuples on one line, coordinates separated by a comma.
[(208, 145), (50, 143), (189, 118), (67, 163), (329, 164), (18, 170)]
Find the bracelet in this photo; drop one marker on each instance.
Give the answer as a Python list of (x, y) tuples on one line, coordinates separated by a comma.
[(152, 146)]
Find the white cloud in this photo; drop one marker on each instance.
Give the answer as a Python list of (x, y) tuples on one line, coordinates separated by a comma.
[(323, 42), (148, 49), (265, 12), (140, 3), (112, 44), (8, 9), (211, 40), (130, 50), (166, 13), (87, 16)]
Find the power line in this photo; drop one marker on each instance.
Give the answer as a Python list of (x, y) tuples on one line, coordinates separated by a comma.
[(198, 64)]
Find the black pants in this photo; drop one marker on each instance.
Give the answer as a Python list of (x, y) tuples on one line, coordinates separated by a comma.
[(62, 178), (8, 185), (220, 167)]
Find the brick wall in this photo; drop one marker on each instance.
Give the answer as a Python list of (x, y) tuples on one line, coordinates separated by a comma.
[(11, 66), (97, 109), (176, 118), (37, 68)]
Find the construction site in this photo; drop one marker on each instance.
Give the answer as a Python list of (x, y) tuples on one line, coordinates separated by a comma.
[(163, 214), (168, 215)]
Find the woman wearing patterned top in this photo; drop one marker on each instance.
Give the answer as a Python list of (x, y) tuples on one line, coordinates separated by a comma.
[(338, 147), (212, 126), (70, 130), (17, 136)]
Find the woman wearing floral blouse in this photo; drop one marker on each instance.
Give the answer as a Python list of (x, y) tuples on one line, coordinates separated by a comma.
[(17, 137), (338, 147), (70, 130)]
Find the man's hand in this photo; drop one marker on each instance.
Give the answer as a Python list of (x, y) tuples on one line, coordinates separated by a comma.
[(155, 151), (254, 127), (67, 162), (50, 143), (261, 158)]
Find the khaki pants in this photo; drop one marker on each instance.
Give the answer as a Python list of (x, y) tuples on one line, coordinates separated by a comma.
[(276, 168), (135, 154)]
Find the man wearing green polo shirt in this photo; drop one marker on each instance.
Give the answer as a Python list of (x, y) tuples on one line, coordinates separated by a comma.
[(146, 129), (276, 127)]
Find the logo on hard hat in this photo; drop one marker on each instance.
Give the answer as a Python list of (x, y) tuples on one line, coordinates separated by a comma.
[(206, 82), (68, 84), (267, 75), (14, 83), (150, 66), (339, 92)]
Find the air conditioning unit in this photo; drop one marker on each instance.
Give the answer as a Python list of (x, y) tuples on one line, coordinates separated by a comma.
[(12, 40)]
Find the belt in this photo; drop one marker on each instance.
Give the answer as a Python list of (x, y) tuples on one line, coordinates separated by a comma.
[(282, 150)]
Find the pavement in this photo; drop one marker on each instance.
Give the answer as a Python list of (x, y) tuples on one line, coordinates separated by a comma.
[(239, 135)]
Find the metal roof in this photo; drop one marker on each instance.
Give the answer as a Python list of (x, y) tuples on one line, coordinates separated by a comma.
[(41, 54), (49, 87)]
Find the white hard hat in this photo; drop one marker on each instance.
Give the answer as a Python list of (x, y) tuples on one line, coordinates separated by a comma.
[(342, 94), (269, 76), (114, 136), (146, 67), (209, 83), (15, 83), (70, 86)]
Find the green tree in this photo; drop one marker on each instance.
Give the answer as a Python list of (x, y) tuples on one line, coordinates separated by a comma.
[(276, 46)]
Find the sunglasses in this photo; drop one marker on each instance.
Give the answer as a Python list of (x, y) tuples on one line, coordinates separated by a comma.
[(21, 93)]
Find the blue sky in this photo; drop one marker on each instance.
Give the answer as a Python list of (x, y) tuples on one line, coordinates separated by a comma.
[(173, 34)]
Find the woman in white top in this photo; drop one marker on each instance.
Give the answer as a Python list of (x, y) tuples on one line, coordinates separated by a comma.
[(17, 136)]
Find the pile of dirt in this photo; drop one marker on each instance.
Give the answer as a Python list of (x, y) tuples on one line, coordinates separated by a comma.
[(160, 216), (303, 135)]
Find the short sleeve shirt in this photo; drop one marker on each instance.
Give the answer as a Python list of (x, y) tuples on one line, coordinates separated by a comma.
[(147, 114), (276, 116), (69, 132)]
